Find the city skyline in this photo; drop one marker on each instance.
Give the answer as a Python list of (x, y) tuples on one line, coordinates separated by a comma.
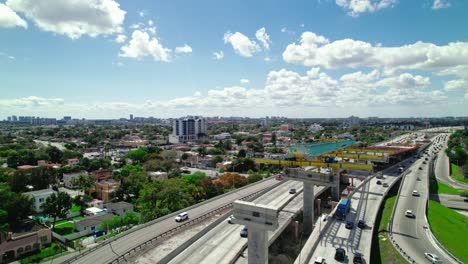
[(103, 59)]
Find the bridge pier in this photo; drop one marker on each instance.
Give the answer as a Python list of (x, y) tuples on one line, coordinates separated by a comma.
[(258, 246), (308, 206), (335, 188)]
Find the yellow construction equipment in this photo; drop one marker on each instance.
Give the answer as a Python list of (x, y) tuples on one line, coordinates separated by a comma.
[(291, 163)]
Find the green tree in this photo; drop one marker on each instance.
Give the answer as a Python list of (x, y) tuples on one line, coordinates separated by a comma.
[(85, 182), (54, 153), (273, 138), (137, 155), (241, 153), (57, 205)]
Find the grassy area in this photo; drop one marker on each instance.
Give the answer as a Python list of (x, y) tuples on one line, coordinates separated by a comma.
[(450, 228), (51, 250), (457, 173), (75, 208), (64, 229), (382, 248), (78, 217), (439, 187)]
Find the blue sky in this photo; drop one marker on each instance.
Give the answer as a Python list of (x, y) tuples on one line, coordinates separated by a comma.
[(110, 58)]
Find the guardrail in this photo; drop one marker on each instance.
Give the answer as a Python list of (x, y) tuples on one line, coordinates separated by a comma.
[(108, 241)]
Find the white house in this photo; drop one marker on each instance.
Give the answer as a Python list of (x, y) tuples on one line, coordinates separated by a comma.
[(39, 197), (119, 208), (69, 177), (91, 223)]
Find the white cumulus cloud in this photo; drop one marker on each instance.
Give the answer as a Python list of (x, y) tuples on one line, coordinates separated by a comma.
[(9, 19), (263, 37), (183, 49), (356, 7), (456, 85), (244, 81), (241, 44), (218, 55), (73, 18), (315, 50), (120, 38), (141, 45), (439, 4)]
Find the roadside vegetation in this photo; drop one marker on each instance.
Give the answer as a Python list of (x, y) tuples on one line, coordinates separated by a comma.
[(457, 151), (383, 250), (450, 228), (457, 173), (53, 250)]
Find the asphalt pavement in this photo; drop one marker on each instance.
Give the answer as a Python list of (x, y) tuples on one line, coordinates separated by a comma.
[(223, 243), (411, 233), (107, 253)]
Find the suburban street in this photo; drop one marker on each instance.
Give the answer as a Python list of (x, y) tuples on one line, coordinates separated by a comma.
[(412, 234), (114, 249)]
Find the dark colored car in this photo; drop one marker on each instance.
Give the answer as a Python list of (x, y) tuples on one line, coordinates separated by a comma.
[(379, 182), (340, 254), (349, 225), (244, 232), (361, 224), (358, 259)]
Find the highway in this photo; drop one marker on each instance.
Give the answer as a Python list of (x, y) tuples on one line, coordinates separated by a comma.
[(410, 233), (223, 243), (442, 170), (108, 252), (365, 204)]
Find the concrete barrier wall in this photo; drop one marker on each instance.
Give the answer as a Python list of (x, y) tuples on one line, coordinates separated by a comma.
[(190, 241)]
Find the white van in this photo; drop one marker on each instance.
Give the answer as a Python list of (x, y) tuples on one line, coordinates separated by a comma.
[(181, 217)]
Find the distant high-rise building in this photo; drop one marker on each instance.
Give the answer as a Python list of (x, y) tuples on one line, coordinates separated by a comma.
[(187, 129), (131, 117), (67, 118)]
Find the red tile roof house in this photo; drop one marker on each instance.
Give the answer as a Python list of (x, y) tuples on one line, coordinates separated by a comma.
[(73, 161), (101, 174)]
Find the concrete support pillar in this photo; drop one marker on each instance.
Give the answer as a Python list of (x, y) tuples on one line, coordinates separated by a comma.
[(335, 188), (319, 206), (258, 246), (308, 206)]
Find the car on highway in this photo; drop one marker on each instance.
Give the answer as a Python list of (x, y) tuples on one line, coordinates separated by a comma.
[(420, 168), (292, 190), (340, 254), (361, 224), (349, 225), (409, 214), (418, 179), (433, 258), (231, 219), (244, 232), (385, 184), (379, 182), (424, 162), (181, 217), (319, 260), (415, 193), (358, 259)]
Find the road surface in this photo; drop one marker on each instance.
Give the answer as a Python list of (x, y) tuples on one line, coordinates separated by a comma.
[(223, 243), (410, 233), (365, 205), (120, 246)]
